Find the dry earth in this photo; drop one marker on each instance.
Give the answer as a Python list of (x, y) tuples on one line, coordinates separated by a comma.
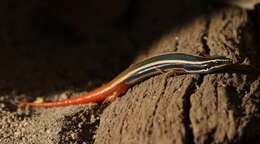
[(63, 49)]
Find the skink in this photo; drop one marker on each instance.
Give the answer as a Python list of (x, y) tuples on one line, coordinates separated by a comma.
[(172, 63)]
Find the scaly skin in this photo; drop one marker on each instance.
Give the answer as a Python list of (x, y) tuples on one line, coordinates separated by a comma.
[(170, 63)]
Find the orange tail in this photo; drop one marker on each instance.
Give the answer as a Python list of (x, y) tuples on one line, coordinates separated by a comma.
[(93, 96)]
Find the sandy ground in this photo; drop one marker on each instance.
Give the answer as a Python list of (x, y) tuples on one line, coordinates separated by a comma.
[(52, 54)]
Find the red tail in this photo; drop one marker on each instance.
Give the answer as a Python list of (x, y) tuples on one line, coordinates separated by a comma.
[(93, 96)]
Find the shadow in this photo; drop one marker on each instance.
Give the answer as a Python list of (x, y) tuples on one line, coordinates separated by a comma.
[(53, 58), (44, 56)]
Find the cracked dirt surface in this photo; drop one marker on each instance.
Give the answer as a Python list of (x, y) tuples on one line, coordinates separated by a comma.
[(46, 53)]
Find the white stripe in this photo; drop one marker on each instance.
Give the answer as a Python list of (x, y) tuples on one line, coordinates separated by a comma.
[(115, 82)]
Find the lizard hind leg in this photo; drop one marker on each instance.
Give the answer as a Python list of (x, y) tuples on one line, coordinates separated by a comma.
[(116, 93), (170, 73), (111, 97), (174, 73)]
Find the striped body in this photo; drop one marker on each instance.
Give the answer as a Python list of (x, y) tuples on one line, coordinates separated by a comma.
[(171, 62)]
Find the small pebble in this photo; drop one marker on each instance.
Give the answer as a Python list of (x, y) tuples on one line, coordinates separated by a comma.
[(80, 124), (74, 136), (2, 105), (48, 131), (92, 119), (17, 134)]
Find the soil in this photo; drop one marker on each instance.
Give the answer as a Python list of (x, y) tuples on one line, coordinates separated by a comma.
[(47, 52)]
